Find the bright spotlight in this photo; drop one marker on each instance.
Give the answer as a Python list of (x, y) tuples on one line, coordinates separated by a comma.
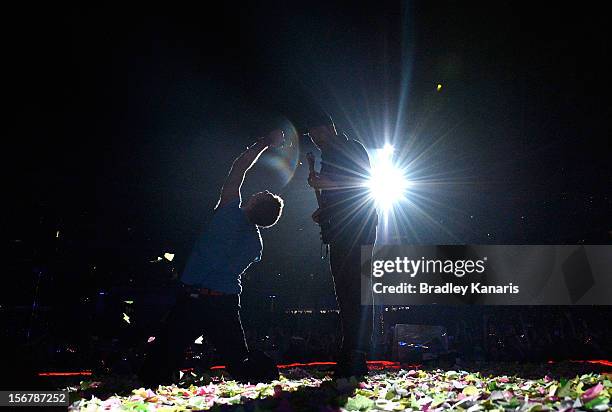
[(387, 182)]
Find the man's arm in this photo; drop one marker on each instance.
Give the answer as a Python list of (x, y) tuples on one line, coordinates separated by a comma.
[(231, 188)]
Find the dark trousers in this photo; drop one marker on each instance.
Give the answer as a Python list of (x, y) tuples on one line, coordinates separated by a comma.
[(356, 319), (217, 317)]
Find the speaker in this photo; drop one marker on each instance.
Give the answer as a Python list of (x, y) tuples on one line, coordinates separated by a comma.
[(417, 343)]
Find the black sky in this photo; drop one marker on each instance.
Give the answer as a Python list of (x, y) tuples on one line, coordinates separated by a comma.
[(126, 124)]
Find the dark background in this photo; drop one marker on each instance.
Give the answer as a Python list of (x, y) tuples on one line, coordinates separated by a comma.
[(123, 126)]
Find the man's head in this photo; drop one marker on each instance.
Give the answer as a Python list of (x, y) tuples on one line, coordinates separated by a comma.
[(263, 209), (322, 130)]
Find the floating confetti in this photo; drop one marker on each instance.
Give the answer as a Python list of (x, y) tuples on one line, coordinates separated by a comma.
[(151, 339), (169, 256), (126, 318), (439, 87), (199, 340), (129, 302)]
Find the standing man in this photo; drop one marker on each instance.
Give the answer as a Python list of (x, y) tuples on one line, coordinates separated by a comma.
[(210, 298), (349, 213)]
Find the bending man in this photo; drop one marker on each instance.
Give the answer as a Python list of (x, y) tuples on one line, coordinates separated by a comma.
[(210, 299)]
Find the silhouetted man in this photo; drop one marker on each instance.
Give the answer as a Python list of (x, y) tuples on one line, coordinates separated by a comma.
[(210, 301), (350, 215)]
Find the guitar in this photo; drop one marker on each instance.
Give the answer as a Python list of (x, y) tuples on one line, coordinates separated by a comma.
[(324, 224)]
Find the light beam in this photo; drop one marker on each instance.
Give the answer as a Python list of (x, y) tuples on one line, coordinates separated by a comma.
[(387, 183)]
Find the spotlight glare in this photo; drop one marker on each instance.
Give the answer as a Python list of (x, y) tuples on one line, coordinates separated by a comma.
[(387, 182)]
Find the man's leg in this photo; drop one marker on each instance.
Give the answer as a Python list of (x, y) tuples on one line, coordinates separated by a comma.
[(227, 335), (356, 319), (224, 328), (179, 330)]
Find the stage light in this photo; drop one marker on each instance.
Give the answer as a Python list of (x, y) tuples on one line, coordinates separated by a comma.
[(387, 182)]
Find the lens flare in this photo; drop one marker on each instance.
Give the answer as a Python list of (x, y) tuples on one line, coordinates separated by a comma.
[(283, 161)]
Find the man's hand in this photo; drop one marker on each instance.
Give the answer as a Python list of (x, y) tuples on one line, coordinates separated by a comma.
[(312, 176), (316, 216), (275, 138), (318, 182)]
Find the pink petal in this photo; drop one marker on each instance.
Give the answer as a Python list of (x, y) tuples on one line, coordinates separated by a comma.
[(592, 392)]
